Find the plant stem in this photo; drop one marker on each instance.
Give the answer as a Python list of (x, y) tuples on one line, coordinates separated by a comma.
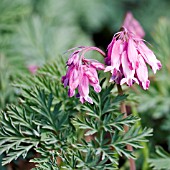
[(93, 48), (126, 128), (145, 149)]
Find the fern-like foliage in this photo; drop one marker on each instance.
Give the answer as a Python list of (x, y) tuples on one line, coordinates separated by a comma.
[(65, 134), (11, 12), (156, 100), (40, 40), (8, 72), (38, 119), (161, 160)]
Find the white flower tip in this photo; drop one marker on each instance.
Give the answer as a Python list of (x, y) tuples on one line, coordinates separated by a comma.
[(123, 81), (111, 80), (97, 88), (159, 65), (88, 99), (146, 84), (136, 80), (108, 68)]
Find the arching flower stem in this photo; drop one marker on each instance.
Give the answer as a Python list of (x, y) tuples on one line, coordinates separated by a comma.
[(91, 49)]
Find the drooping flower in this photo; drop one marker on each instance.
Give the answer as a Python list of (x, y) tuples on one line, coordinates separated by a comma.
[(132, 25), (127, 57), (81, 73)]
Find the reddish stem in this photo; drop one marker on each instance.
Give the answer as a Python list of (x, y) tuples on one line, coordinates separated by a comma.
[(93, 48), (126, 128)]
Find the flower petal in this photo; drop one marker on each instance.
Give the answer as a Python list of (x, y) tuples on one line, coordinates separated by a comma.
[(128, 73), (142, 73), (74, 78), (83, 87), (133, 25), (149, 57), (98, 66), (116, 53), (132, 54)]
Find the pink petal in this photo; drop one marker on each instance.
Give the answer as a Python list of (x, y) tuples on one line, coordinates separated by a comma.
[(116, 53), (109, 52), (107, 61), (132, 54), (71, 92), (66, 80), (98, 65), (74, 58), (128, 73), (73, 78), (110, 46), (83, 90), (92, 75), (149, 57), (142, 73), (109, 68), (82, 100), (83, 87), (63, 78), (88, 99), (97, 88), (133, 25)]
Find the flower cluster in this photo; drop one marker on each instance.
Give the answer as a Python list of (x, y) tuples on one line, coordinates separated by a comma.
[(127, 57), (81, 73)]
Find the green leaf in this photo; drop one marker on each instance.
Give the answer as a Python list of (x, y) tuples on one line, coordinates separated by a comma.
[(161, 160)]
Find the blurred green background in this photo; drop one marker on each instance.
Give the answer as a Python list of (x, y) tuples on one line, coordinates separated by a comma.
[(33, 32)]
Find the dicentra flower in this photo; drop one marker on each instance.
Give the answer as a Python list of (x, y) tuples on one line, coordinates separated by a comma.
[(132, 25), (81, 73), (127, 57)]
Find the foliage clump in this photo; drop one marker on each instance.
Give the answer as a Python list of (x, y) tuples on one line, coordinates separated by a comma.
[(64, 133)]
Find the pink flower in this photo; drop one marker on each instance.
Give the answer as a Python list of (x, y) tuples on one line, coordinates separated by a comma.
[(81, 73), (132, 25), (32, 68), (127, 57)]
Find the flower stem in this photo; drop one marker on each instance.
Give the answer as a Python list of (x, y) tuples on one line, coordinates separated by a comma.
[(145, 149), (93, 48), (126, 128)]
